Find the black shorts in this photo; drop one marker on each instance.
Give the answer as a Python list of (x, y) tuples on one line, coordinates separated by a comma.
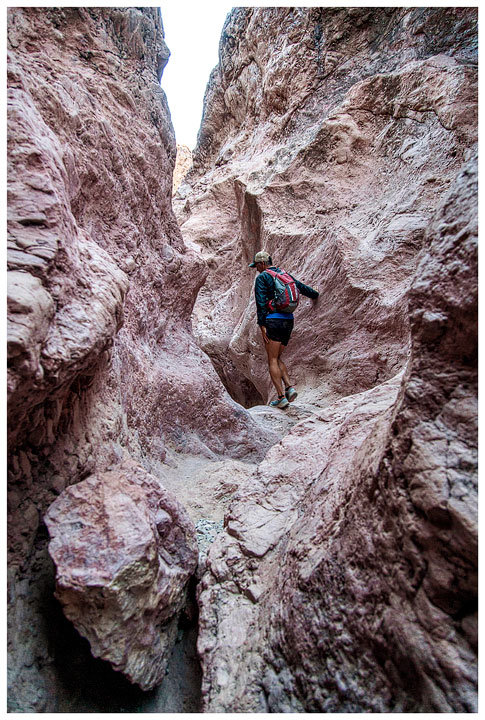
[(279, 329)]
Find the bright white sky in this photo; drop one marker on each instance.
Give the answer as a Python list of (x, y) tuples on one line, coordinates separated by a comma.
[(192, 33)]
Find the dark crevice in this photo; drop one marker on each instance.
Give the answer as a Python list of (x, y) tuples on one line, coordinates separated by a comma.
[(242, 390), (87, 684)]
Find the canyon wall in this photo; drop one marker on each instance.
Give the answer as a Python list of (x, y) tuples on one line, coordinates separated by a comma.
[(328, 137), (343, 141), (102, 364), (342, 571)]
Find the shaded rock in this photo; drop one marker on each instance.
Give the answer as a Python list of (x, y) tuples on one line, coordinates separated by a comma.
[(102, 359), (296, 499), (91, 229), (124, 550)]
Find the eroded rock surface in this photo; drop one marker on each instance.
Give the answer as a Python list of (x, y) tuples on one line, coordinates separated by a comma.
[(124, 551), (342, 140), (183, 163), (348, 565), (102, 359), (345, 576), (329, 137)]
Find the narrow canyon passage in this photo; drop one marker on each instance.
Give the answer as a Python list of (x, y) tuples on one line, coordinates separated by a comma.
[(205, 487), (175, 544)]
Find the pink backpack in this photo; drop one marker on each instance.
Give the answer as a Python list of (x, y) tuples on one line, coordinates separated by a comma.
[(286, 296)]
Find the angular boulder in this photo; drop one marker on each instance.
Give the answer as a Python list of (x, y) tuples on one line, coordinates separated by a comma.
[(124, 550)]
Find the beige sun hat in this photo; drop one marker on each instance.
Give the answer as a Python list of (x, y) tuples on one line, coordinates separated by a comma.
[(261, 256)]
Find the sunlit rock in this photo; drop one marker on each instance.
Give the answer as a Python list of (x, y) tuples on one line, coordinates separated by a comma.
[(183, 163), (342, 141)]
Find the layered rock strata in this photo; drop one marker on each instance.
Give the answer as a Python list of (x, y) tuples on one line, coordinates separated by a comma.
[(344, 579), (337, 138), (124, 551), (101, 356)]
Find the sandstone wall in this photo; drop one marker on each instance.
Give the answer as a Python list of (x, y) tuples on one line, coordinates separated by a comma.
[(183, 163), (343, 142), (328, 137), (347, 577), (102, 361)]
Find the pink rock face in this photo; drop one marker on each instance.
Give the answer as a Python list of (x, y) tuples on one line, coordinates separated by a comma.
[(101, 286), (65, 294), (90, 218), (345, 579), (124, 550), (349, 563), (277, 525), (183, 163), (94, 245), (336, 139), (331, 149)]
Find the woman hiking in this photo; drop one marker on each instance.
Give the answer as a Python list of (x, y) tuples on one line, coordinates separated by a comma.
[(277, 293)]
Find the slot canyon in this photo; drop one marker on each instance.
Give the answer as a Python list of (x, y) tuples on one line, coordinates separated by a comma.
[(176, 544)]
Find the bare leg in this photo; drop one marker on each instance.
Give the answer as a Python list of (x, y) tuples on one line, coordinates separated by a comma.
[(284, 372), (272, 350)]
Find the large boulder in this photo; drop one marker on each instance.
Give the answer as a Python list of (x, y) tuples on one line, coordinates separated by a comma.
[(124, 551)]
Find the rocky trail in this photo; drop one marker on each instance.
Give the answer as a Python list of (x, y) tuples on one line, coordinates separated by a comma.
[(205, 487), (174, 543)]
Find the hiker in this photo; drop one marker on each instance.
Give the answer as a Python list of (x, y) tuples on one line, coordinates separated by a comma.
[(277, 294)]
